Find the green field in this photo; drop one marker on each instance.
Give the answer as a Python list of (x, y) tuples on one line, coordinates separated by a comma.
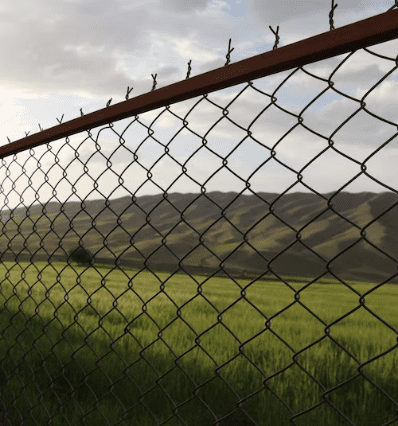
[(62, 363)]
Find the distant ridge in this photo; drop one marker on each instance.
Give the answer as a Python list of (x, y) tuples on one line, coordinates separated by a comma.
[(273, 237)]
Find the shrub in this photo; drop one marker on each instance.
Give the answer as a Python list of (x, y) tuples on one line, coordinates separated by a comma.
[(80, 255)]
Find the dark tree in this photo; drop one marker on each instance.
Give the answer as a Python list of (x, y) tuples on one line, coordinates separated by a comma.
[(80, 255)]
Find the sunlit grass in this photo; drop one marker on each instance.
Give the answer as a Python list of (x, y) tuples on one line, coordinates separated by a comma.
[(57, 358)]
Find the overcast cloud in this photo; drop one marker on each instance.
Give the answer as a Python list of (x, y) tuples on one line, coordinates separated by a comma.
[(60, 56)]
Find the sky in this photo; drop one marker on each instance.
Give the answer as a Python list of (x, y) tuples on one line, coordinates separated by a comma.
[(61, 56)]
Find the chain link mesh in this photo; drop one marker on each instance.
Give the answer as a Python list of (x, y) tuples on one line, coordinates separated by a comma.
[(116, 263)]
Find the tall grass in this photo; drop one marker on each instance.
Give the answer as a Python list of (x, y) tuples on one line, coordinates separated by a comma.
[(71, 355)]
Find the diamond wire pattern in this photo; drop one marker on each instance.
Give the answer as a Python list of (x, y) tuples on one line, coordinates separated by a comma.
[(245, 239)]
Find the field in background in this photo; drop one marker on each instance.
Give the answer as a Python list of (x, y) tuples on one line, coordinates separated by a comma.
[(66, 371)]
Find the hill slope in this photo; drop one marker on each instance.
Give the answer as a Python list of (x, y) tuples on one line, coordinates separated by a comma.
[(222, 221)]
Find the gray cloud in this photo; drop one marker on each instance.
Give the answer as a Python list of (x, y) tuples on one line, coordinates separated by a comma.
[(66, 55)]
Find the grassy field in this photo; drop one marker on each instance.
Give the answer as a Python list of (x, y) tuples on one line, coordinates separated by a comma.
[(62, 363)]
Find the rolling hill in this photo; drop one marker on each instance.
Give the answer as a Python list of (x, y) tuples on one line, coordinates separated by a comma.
[(296, 234)]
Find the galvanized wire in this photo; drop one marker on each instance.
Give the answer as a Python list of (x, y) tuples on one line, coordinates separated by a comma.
[(118, 264)]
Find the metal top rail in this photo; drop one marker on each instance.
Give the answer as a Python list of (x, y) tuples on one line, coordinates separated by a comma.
[(368, 32)]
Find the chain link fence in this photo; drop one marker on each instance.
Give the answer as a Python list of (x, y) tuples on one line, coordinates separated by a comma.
[(31, 375)]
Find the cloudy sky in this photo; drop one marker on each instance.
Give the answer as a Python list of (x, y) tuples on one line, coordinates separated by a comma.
[(60, 56)]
